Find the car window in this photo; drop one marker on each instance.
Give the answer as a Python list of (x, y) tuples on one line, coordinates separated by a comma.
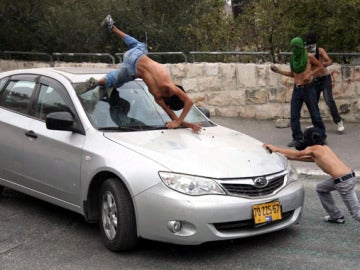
[(49, 101), (129, 107), (17, 95), (2, 83)]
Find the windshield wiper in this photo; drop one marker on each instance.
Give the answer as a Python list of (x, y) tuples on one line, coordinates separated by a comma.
[(154, 127), (121, 128)]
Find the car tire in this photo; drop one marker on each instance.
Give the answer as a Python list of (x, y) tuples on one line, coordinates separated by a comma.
[(117, 220), (1, 189)]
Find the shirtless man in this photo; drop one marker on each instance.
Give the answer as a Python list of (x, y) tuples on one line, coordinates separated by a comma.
[(323, 82), (312, 149), (137, 64), (304, 67)]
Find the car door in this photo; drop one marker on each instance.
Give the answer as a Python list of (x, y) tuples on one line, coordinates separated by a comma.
[(52, 159), (15, 99)]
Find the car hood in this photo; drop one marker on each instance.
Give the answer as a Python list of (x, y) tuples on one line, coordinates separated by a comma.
[(215, 152)]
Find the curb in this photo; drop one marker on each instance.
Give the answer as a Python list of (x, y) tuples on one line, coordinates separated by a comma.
[(319, 172)]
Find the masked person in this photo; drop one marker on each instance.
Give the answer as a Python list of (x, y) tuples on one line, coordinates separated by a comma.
[(303, 67), (322, 81)]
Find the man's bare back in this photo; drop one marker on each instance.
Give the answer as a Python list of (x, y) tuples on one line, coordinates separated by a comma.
[(155, 76)]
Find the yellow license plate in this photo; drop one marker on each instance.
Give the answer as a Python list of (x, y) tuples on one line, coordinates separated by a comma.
[(267, 212)]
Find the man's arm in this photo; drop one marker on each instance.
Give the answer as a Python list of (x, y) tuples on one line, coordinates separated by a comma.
[(325, 59), (304, 155), (176, 120), (282, 72), (316, 67)]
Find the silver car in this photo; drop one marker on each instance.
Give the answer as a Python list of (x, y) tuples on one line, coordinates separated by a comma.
[(107, 155)]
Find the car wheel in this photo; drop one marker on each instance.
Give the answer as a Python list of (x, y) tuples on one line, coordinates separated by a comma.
[(117, 222), (1, 189)]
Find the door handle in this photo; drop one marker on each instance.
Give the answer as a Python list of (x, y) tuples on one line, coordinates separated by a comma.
[(31, 134)]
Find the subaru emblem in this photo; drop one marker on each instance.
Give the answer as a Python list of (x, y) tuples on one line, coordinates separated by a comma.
[(260, 182)]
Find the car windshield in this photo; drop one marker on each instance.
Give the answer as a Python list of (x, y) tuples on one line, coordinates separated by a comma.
[(130, 108)]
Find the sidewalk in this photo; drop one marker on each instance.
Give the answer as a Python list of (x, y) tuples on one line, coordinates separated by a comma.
[(346, 145)]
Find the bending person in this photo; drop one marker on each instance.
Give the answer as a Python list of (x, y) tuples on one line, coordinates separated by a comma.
[(342, 178)]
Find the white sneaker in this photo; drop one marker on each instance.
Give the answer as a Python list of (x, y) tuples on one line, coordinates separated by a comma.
[(108, 22), (340, 126), (340, 220)]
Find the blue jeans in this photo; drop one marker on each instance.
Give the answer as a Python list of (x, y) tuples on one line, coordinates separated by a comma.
[(308, 95), (128, 69), (347, 193), (324, 84)]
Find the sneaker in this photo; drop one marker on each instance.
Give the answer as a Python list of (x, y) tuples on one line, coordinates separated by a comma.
[(340, 126), (292, 143), (108, 22), (340, 220), (83, 87)]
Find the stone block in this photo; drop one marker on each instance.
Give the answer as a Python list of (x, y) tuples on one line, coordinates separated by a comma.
[(195, 70), (277, 95), (211, 69), (209, 84), (220, 99), (227, 112), (282, 123), (190, 85), (246, 75), (261, 74), (178, 70), (247, 111), (256, 96)]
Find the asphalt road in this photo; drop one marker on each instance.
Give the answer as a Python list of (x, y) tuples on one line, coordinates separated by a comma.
[(37, 235)]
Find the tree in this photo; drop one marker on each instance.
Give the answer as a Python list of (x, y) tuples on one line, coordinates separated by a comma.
[(173, 25), (275, 22)]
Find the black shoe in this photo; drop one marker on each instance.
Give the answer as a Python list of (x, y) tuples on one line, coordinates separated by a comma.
[(292, 143)]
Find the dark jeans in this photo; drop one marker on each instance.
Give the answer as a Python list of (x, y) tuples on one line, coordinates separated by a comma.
[(324, 84), (308, 95)]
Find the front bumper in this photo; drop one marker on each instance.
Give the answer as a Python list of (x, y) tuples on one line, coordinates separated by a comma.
[(210, 217)]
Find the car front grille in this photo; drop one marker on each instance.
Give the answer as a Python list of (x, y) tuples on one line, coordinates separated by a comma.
[(250, 190)]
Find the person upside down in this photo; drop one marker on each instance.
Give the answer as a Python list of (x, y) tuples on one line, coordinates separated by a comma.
[(136, 64)]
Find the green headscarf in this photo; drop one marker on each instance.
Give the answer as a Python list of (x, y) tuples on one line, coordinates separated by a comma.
[(299, 57)]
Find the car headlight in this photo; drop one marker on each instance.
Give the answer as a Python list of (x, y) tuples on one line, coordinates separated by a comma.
[(190, 184), (292, 172)]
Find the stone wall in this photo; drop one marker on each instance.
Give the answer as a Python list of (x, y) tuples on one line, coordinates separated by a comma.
[(246, 90), (253, 91)]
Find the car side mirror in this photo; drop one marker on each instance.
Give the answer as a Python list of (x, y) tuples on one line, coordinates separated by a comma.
[(205, 111), (60, 121)]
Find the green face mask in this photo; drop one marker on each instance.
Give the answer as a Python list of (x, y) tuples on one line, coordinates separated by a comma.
[(299, 57)]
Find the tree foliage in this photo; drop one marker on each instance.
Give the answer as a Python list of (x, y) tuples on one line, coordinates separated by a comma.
[(173, 25), (275, 22)]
